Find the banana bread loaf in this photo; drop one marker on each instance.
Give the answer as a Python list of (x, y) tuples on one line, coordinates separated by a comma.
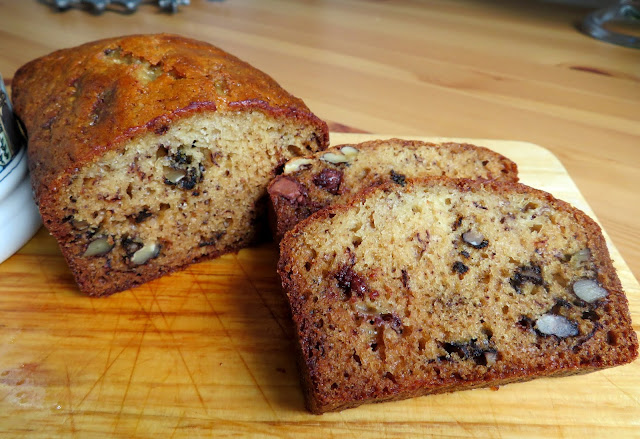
[(151, 152), (441, 285), (311, 183)]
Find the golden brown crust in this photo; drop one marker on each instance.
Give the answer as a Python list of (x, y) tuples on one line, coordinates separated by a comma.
[(108, 91), (612, 340)]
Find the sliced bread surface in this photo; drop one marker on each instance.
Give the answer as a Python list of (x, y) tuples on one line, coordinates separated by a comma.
[(313, 182), (441, 284)]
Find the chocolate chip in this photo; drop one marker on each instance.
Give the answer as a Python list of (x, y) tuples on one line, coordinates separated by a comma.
[(142, 215), (180, 174), (459, 267), (329, 180), (398, 178), (190, 180), (350, 282), (468, 350), (524, 274), (289, 189), (181, 158)]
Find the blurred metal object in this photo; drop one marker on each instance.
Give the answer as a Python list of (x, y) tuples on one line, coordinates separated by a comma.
[(172, 5), (599, 24), (130, 6)]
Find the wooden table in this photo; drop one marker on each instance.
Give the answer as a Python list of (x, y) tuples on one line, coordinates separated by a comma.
[(133, 365)]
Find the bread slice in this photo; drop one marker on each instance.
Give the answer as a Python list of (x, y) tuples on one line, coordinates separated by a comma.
[(151, 152), (440, 285), (311, 183)]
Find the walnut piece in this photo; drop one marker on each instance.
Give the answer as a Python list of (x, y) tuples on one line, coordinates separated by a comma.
[(349, 152), (589, 290), (295, 165), (98, 247), (552, 324), (148, 251), (334, 158)]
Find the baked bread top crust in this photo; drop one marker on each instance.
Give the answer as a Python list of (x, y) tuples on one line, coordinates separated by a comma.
[(71, 100)]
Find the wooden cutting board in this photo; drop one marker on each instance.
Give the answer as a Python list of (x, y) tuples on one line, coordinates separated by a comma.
[(208, 352)]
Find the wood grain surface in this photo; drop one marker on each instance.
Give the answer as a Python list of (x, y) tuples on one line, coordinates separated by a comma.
[(208, 352), (499, 69)]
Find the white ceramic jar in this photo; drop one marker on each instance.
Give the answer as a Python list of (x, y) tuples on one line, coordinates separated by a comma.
[(19, 216)]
